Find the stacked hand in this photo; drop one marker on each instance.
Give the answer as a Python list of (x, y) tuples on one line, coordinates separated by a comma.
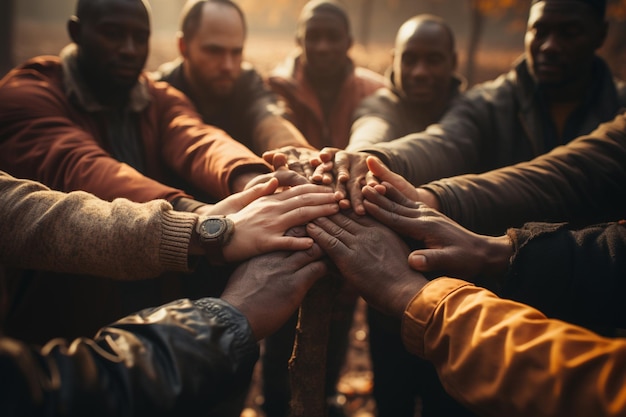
[(450, 248)]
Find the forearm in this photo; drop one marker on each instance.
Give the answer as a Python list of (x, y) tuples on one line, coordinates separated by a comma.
[(172, 360), (423, 157), (368, 131), (583, 182), (79, 233), (274, 132), (499, 357)]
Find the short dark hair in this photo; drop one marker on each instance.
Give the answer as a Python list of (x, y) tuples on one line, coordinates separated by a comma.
[(598, 6), (192, 11), (315, 6)]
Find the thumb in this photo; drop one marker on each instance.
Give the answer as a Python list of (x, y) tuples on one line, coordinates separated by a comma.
[(257, 191), (427, 260), (383, 173)]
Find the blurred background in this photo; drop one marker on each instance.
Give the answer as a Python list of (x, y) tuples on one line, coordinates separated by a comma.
[(490, 33)]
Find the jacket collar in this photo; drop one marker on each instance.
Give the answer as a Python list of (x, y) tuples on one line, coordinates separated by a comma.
[(601, 96)]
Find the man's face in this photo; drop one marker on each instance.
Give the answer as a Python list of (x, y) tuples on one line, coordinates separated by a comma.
[(561, 39), (213, 55), (325, 42), (423, 64), (114, 43)]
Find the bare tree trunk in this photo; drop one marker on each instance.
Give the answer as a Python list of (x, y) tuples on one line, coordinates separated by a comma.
[(6, 35), (307, 366), (476, 30)]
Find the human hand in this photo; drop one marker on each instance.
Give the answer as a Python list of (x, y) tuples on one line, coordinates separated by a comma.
[(383, 173), (285, 177), (450, 248), (371, 257), (351, 174), (268, 289), (260, 226), (297, 159), (237, 201)]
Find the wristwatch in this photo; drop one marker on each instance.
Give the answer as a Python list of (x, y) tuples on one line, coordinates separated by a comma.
[(214, 232)]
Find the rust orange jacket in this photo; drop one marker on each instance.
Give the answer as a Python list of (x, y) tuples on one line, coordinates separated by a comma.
[(304, 109), (46, 137)]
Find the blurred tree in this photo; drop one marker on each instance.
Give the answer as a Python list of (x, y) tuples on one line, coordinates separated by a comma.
[(480, 10), (7, 18)]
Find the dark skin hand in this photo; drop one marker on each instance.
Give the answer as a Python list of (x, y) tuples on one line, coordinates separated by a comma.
[(269, 288), (380, 273), (298, 160), (450, 248), (285, 177), (350, 170)]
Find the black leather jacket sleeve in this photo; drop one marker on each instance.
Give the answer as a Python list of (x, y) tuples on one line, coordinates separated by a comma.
[(190, 358)]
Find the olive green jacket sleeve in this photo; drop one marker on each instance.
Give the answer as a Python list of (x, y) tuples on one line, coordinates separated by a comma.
[(503, 358), (79, 233)]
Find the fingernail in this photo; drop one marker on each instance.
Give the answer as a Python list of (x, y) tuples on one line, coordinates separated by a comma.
[(419, 260)]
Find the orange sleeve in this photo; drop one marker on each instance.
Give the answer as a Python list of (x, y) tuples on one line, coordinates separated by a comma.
[(503, 358)]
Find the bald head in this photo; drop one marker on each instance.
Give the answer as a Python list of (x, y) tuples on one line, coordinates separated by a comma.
[(424, 62), (425, 25), (191, 15), (88, 10)]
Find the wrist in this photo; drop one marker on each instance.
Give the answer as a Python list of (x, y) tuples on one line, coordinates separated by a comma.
[(213, 233), (498, 256), (428, 197)]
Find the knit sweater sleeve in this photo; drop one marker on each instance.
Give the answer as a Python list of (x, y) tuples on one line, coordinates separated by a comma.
[(79, 233)]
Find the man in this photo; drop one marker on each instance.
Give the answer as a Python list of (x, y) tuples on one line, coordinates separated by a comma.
[(89, 120), (495, 356), (421, 84), (558, 91), (187, 357), (227, 92), (320, 84)]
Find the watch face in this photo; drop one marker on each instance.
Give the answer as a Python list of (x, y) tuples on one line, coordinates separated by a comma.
[(213, 227)]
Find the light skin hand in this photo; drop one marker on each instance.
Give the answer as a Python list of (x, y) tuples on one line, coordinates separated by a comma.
[(238, 201), (260, 226), (384, 174), (246, 180), (268, 289), (379, 272), (450, 248)]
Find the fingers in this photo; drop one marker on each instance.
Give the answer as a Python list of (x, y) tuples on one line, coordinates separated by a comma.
[(323, 173), (289, 178), (383, 173), (356, 196), (328, 236), (342, 166), (392, 202), (303, 190), (277, 159)]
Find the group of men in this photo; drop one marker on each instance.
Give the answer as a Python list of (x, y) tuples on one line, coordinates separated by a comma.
[(219, 167)]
